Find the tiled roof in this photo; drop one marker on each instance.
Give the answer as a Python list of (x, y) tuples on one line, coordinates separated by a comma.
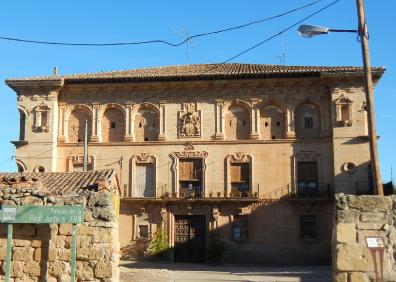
[(205, 72), (61, 183)]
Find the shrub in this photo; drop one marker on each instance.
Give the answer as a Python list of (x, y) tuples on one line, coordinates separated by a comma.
[(215, 250), (159, 245)]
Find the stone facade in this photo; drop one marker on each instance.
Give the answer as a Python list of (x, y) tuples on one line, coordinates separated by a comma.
[(217, 144), (355, 218), (42, 252)]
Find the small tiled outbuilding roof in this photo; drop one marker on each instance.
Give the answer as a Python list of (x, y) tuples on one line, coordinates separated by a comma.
[(204, 72), (59, 183)]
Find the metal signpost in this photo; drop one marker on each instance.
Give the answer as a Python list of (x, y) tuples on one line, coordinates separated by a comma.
[(38, 215), (377, 244)]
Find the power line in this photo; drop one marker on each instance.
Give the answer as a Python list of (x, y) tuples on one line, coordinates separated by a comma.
[(7, 160), (187, 39), (272, 36)]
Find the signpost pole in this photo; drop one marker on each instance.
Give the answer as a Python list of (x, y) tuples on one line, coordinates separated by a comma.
[(8, 258), (73, 252)]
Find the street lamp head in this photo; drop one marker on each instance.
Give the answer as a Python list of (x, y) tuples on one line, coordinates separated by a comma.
[(312, 30)]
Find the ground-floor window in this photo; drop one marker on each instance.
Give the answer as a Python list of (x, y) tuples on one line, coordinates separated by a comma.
[(308, 227), (240, 227)]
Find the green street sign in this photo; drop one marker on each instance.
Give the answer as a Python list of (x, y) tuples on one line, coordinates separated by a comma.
[(42, 214)]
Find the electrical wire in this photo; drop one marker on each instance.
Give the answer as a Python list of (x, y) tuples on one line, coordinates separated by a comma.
[(271, 37), (7, 160), (159, 40)]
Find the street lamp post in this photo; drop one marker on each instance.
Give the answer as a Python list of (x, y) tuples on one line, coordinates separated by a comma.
[(309, 31)]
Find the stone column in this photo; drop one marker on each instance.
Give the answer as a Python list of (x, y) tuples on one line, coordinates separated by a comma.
[(95, 124), (162, 121), (128, 122), (290, 122), (254, 119), (62, 121), (219, 134)]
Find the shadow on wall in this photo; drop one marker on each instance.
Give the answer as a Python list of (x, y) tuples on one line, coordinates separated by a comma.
[(260, 232)]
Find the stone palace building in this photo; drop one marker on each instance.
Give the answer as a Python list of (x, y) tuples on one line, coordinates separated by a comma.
[(252, 153)]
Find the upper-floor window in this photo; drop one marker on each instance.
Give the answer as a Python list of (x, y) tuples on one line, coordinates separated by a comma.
[(146, 125), (190, 177), (343, 111), (237, 123), (113, 125), (240, 176), (307, 179), (145, 180), (41, 118), (307, 121), (22, 124), (272, 122), (76, 126)]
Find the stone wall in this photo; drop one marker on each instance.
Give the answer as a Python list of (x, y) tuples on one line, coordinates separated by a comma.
[(42, 252), (355, 218)]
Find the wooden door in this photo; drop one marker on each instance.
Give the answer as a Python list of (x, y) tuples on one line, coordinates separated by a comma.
[(190, 239)]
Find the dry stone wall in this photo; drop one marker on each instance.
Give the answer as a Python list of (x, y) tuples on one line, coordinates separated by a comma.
[(42, 252), (357, 217)]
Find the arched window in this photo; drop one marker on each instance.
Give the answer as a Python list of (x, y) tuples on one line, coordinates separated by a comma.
[(113, 125), (272, 123), (22, 123), (41, 118), (307, 122), (237, 123), (39, 169), (76, 125), (146, 125)]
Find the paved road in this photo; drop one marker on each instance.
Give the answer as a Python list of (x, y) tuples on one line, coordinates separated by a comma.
[(164, 272)]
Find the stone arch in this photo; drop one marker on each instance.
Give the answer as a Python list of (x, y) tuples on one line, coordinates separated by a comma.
[(113, 124), (237, 120), (308, 120), (39, 168), (76, 117), (272, 120), (21, 166), (146, 122), (22, 123)]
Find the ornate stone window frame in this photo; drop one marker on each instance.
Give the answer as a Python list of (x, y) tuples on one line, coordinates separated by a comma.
[(145, 218), (143, 158), (39, 112), (339, 103), (189, 109), (305, 156), (73, 159), (191, 154), (235, 158)]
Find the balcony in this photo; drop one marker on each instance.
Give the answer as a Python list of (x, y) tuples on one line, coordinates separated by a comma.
[(304, 190), (195, 191)]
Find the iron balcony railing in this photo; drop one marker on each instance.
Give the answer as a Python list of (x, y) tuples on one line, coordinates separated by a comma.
[(210, 190), (312, 189)]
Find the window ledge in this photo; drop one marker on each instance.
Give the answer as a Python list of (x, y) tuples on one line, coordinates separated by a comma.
[(19, 143)]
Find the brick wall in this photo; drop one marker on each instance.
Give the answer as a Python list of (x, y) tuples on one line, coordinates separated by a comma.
[(113, 126)]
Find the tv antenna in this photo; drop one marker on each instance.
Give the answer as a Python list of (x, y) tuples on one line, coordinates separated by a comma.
[(282, 57), (183, 33)]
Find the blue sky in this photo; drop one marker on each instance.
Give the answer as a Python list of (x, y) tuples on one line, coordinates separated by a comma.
[(109, 21)]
